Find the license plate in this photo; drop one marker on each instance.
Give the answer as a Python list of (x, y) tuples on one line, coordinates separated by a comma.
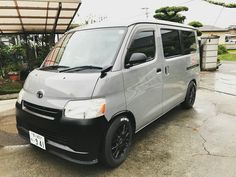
[(37, 140)]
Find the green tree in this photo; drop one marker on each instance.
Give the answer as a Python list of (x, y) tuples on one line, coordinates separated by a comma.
[(195, 24), (4, 58), (171, 13), (11, 58), (26, 55), (227, 5)]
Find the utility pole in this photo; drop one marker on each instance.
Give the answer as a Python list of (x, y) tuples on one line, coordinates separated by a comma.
[(146, 11)]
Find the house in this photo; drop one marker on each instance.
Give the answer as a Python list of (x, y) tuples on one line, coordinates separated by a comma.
[(227, 35), (208, 30)]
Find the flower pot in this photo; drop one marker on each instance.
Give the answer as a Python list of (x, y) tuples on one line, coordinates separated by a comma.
[(14, 77)]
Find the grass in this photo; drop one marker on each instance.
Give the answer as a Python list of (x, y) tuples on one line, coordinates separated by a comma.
[(233, 51), (9, 87), (230, 56)]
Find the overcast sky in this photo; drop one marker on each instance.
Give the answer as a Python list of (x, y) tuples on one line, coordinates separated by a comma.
[(199, 10)]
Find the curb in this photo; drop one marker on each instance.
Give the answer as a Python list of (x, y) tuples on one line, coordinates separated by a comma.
[(9, 96)]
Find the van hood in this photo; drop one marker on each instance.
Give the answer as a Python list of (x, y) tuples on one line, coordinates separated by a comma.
[(61, 85)]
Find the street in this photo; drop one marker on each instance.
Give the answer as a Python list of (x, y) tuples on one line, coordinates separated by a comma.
[(183, 143)]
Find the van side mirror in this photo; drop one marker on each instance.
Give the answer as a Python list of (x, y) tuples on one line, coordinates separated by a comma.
[(136, 58)]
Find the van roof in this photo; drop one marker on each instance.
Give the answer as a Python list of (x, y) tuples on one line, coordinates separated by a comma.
[(127, 23)]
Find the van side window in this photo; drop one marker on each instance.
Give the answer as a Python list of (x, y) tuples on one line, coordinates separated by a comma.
[(189, 42), (143, 42), (171, 42)]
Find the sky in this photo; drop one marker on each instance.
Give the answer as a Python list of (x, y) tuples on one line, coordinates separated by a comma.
[(199, 10)]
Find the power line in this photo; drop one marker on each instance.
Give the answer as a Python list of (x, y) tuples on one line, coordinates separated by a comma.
[(217, 18), (184, 2)]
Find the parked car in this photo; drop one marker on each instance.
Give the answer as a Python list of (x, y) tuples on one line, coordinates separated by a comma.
[(103, 83)]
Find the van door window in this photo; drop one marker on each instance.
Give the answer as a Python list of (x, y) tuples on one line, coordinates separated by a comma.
[(143, 42), (189, 42), (171, 42)]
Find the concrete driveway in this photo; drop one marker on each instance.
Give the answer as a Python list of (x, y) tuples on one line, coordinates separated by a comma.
[(200, 142)]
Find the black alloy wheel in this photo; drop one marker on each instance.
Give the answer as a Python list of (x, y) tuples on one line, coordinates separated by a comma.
[(120, 141), (190, 96), (117, 142)]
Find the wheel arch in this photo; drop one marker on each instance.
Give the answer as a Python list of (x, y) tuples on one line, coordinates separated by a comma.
[(193, 80), (129, 115)]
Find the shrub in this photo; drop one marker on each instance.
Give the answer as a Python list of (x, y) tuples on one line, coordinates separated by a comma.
[(222, 49), (196, 24)]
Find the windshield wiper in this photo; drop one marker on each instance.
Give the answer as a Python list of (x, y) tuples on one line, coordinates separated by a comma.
[(80, 68), (104, 70), (53, 67)]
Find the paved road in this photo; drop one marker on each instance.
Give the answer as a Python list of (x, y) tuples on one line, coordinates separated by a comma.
[(7, 107), (200, 142)]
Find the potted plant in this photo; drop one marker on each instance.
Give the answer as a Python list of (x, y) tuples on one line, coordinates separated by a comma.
[(14, 74)]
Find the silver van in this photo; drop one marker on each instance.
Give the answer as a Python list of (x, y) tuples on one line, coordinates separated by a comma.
[(103, 83)]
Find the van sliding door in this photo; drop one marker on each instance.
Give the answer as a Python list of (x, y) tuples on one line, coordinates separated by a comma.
[(174, 77)]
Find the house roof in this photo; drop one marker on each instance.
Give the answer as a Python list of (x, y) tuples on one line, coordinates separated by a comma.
[(37, 16), (210, 28), (233, 27)]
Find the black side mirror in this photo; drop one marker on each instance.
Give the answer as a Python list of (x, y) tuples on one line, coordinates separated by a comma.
[(136, 58)]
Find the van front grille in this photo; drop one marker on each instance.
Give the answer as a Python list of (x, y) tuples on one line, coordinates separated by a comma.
[(42, 111)]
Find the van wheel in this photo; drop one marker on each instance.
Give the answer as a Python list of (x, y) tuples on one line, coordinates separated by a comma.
[(117, 142), (190, 96)]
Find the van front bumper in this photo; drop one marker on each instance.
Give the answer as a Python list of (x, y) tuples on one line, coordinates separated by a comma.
[(76, 140)]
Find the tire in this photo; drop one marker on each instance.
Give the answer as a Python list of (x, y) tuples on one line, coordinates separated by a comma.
[(117, 142), (190, 96)]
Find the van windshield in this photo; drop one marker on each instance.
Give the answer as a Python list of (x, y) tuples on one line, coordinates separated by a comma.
[(96, 47)]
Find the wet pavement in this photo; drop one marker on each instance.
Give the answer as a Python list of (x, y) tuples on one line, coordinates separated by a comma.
[(200, 142), (223, 80)]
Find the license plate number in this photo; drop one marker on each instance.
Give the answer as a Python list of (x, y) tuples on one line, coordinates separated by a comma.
[(37, 140)]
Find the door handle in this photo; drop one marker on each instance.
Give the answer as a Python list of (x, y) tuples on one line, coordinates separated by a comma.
[(167, 70), (158, 70)]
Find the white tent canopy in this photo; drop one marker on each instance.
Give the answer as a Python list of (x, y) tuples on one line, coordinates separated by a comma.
[(37, 16)]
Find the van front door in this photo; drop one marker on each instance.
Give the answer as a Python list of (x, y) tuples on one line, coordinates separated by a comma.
[(143, 77)]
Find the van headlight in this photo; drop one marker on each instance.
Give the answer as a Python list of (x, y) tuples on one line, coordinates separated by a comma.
[(85, 109), (20, 96)]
